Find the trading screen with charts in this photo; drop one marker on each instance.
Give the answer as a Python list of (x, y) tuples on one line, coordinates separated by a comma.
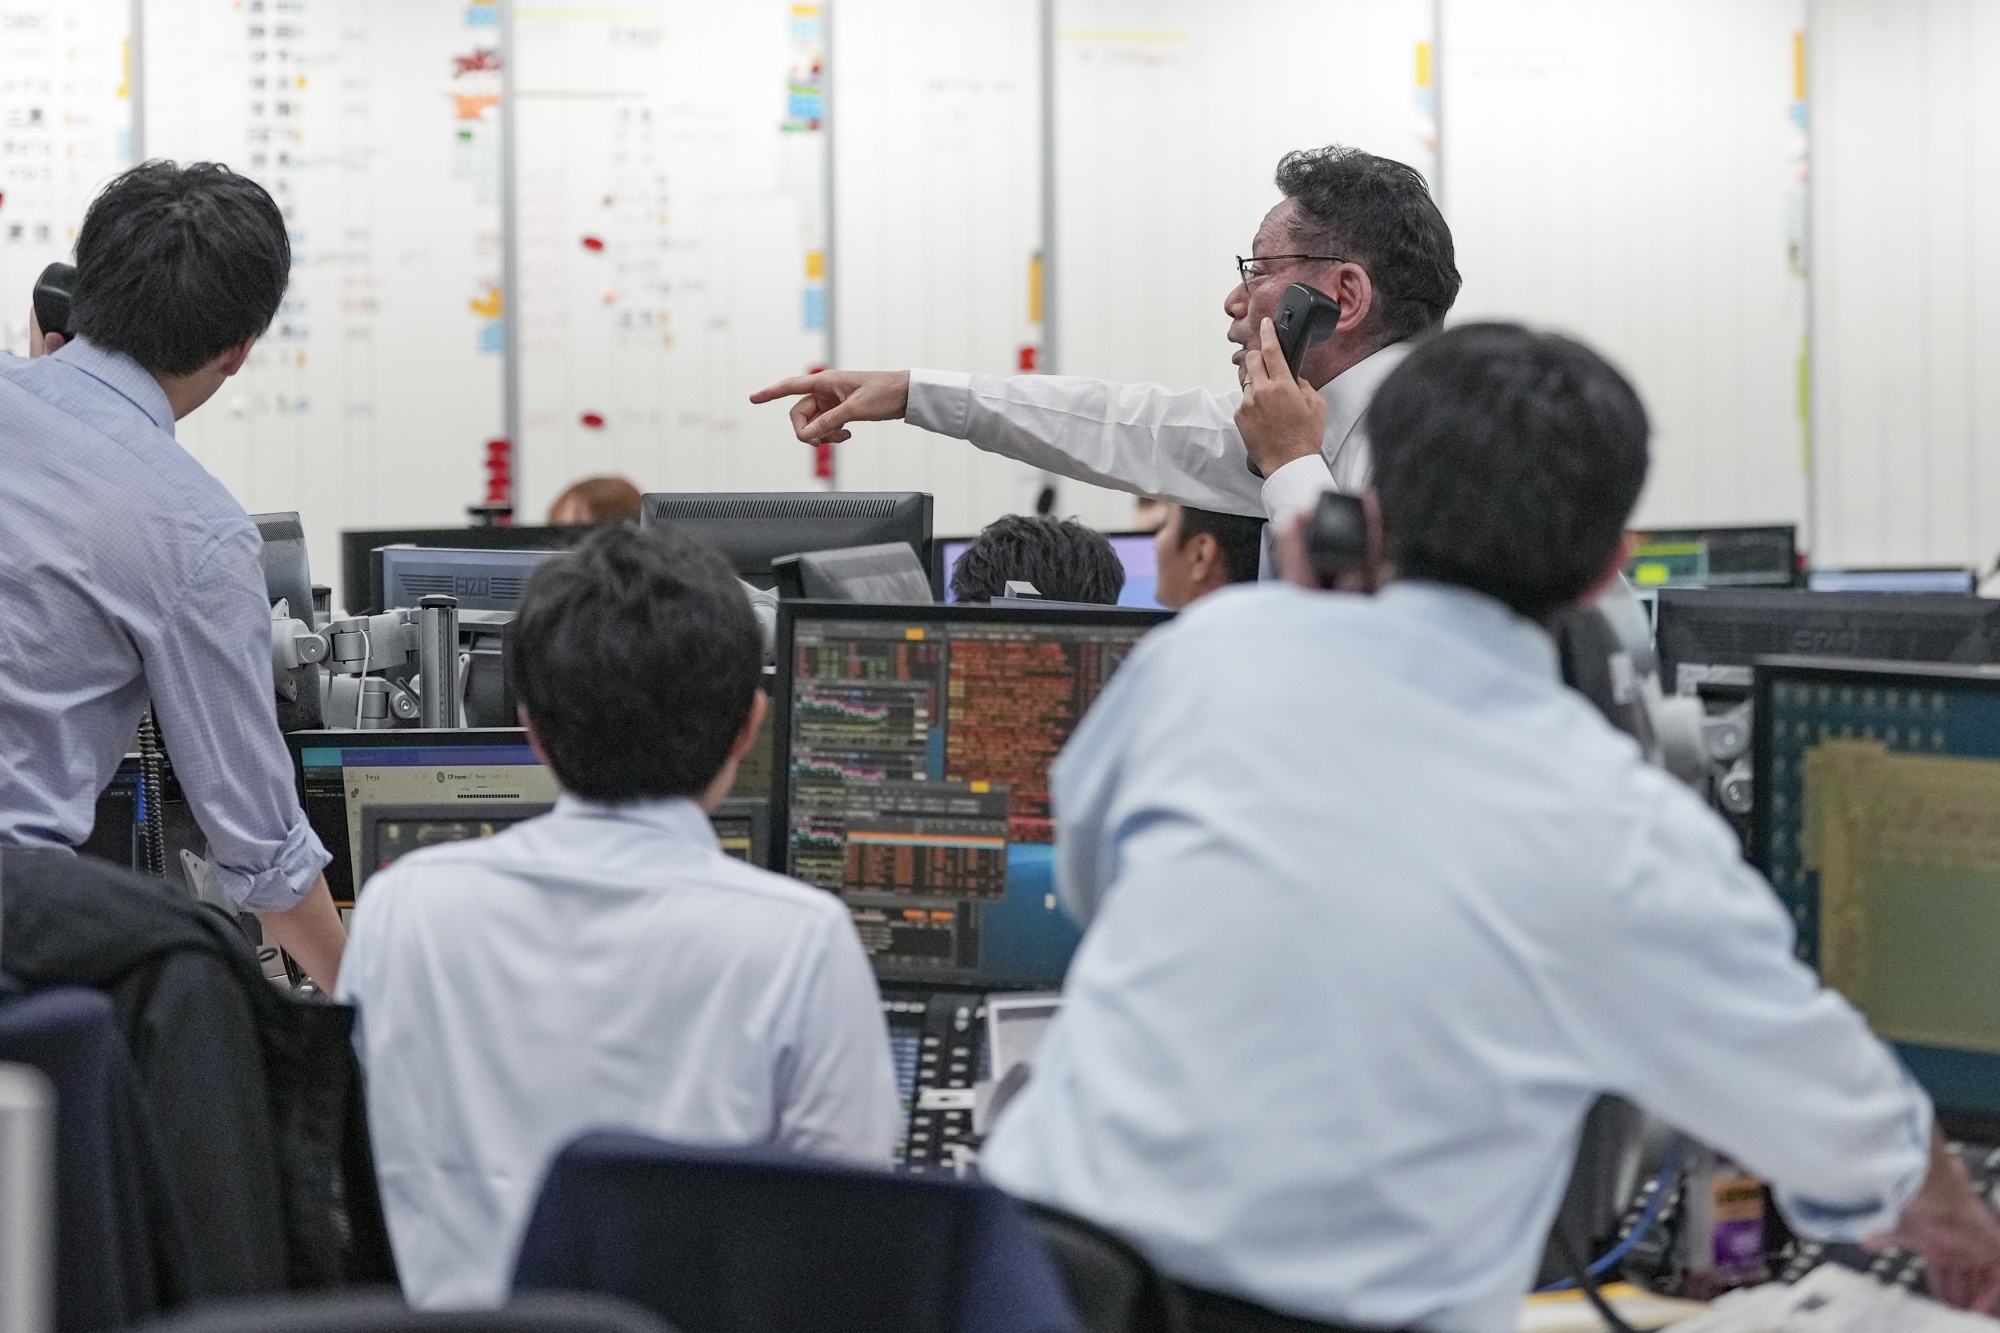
[(1881, 833), (918, 753)]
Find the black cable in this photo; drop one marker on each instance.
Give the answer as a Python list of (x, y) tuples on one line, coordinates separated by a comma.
[(1579, 1272), (153, 785)]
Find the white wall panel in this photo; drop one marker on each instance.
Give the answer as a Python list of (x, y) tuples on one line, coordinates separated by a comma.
[(372, 123), (1906, 194), (937, 191), (671, 177), (1631, 173), (65, 120), (1171, 116)]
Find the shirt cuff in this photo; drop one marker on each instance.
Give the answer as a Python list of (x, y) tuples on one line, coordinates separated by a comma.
[(1857, 1221), (1295, 486), (940, 401), (286, 882)]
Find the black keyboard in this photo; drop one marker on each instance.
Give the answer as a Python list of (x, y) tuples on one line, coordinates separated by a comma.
[(937, 1041)]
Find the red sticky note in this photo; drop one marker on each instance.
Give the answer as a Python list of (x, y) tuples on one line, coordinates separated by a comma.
[(593, 420)]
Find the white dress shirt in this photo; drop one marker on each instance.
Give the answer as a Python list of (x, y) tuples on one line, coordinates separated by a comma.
[(598, 967), (1377, 908), (1177, 445)]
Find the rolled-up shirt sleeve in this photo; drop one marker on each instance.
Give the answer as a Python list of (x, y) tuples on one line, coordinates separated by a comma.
[(208, 668), (1714, 1025)]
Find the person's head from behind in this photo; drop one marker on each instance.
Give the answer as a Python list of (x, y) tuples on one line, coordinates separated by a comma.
[(1508, 461), (1198, 551), (636, 660), (1064, 560), (1364, 230), (597, 500), (181, 269)]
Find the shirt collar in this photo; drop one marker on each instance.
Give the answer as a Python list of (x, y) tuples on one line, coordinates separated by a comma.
[(1347, 394), (1515, 640), (122, 373), (677, 817)]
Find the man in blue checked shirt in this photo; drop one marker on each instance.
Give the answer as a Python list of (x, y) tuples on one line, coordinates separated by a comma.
[(128, 574)]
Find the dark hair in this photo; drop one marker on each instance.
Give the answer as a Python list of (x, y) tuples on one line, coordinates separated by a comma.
[(636, 656), (1507, 461), (1066, 561), (1377, 213), (1239, 539), (176, 265)]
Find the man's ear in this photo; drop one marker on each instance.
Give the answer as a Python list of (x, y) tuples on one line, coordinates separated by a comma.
[(534, 741), (1204, 553), (232, 360), (760, 707), (1619, 559), (1355, 291)]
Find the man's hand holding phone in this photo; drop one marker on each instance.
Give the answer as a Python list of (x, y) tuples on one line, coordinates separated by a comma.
[(1281, 418), (831, 399)]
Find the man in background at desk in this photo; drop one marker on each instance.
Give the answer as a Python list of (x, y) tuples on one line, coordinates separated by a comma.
[(1377, 908), (606, 965), (1198, 551), (128, 574), (1361, 228)]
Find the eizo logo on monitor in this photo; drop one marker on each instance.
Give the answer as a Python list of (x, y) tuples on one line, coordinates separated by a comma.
[(1826, 642), (469, 585)]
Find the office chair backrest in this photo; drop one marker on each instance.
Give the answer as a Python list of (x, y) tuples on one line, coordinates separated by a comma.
[(762, 1241), (384, 1312), (1115, 1288)]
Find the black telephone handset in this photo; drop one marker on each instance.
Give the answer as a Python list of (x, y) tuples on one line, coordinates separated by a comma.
[(51, 297), (1306, 318)]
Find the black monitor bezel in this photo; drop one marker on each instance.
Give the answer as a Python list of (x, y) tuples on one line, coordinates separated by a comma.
[(791, 612), (909, 519)]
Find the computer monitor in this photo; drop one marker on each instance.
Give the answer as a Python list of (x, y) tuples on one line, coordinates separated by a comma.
[(373, 796), (1876, 787), (481, 580), (1736, 557), (913, 752), (753, 529), (1957, 579), (1709, 637), (361, 592), (1135, 552)]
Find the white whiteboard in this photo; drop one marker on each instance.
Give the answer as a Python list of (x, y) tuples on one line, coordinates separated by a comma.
[(374, 124), (671, 178), (1633, 174), (65, 124), (938, 197)]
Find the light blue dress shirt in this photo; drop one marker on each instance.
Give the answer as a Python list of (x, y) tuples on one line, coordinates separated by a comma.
[(129, 574), (1376, 908), (599, 967)]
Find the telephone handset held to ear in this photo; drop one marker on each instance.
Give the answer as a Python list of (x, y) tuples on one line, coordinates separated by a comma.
[(1306, 318)]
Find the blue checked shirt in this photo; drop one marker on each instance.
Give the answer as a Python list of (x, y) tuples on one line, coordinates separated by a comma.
[(128, 574)]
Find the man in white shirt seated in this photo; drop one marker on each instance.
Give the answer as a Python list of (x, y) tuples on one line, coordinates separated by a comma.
[(606, 965), (1377, 908), (1363, 229)]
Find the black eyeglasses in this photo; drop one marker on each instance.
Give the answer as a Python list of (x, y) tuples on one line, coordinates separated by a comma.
[(1247, 272)]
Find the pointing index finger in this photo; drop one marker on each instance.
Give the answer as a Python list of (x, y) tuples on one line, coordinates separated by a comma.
[(785, 388)]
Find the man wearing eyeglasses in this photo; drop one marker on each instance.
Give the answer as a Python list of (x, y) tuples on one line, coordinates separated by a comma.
[(1361, 228)]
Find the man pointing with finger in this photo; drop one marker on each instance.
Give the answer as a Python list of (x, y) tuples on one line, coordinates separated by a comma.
[(1360, 228)]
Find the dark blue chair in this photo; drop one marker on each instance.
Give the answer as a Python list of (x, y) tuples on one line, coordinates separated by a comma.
[(760, 1241), (110, 1224)]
